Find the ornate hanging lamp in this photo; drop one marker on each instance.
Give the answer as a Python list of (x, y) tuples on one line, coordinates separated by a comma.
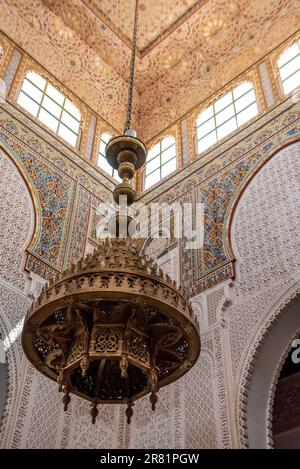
[(113, 327)]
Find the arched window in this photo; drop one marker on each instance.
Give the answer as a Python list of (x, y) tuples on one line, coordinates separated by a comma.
[(289, 68), (50, 106), (161, 161), (225, 115), (102, 162)]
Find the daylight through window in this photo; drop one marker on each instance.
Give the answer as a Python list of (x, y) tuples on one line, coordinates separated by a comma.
[(50, 106)]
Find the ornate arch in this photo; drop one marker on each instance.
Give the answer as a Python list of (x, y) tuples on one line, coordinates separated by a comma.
[(272, 316), (17, 301), (257, 348), (33, 195), (52, 192), (228, 248)]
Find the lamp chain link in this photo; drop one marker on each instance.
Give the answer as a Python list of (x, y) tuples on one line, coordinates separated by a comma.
[(132, 66)]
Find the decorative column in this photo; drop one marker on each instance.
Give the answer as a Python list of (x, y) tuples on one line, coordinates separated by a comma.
[(267, 83)]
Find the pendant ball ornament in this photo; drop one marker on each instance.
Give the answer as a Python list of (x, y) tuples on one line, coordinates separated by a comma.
[(113, 327)]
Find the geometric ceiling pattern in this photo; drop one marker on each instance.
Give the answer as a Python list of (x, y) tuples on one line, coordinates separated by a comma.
[(187, 49), (156, 18)]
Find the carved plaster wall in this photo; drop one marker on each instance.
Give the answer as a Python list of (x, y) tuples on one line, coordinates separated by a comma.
[(267, 263), (83, 434), (265, 235), (16, 220)]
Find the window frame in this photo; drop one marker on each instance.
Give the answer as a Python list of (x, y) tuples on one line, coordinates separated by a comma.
[(16, 91), (161, 165), (254, 88), (276, 59)]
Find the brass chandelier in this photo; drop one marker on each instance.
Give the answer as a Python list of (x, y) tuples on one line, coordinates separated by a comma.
[(113, 327)]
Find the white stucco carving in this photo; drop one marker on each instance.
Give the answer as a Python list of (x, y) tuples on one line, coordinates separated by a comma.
[(266, 242)]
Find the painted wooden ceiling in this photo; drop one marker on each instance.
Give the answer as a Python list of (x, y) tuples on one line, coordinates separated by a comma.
[(156, 18), (187, 49)]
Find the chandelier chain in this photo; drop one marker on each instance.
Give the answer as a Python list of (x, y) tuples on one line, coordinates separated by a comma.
[(132, 68)]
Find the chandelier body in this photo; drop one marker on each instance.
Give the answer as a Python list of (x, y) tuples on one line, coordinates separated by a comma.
[(112, 328)]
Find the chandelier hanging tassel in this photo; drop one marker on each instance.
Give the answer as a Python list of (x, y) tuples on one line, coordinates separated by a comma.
[(129, 411)]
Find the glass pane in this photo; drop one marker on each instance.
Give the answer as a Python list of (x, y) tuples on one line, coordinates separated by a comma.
[(168, 168), (245, 101), (67, 135), (242, 89), (106, 137), (153, 151), (102, 148), (37, 80), (225, 115), (223, 102), (69, 106), (152, 165), (72, 123), (227, 128), (28, 104), (51, 106), (168, 154), (290, 68), (292, 83), (167, 142), (205, 128), (247, 114), (34, 92), (55, 94), (205, 115), (104, 165), (48, 120), (116, 176), (207, 141), (288, 54), (152, 179)]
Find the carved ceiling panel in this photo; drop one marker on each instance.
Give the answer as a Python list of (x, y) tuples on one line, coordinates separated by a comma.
[(189, 49), (226, 44), (66, 56), (156, 18), (101, 36)]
